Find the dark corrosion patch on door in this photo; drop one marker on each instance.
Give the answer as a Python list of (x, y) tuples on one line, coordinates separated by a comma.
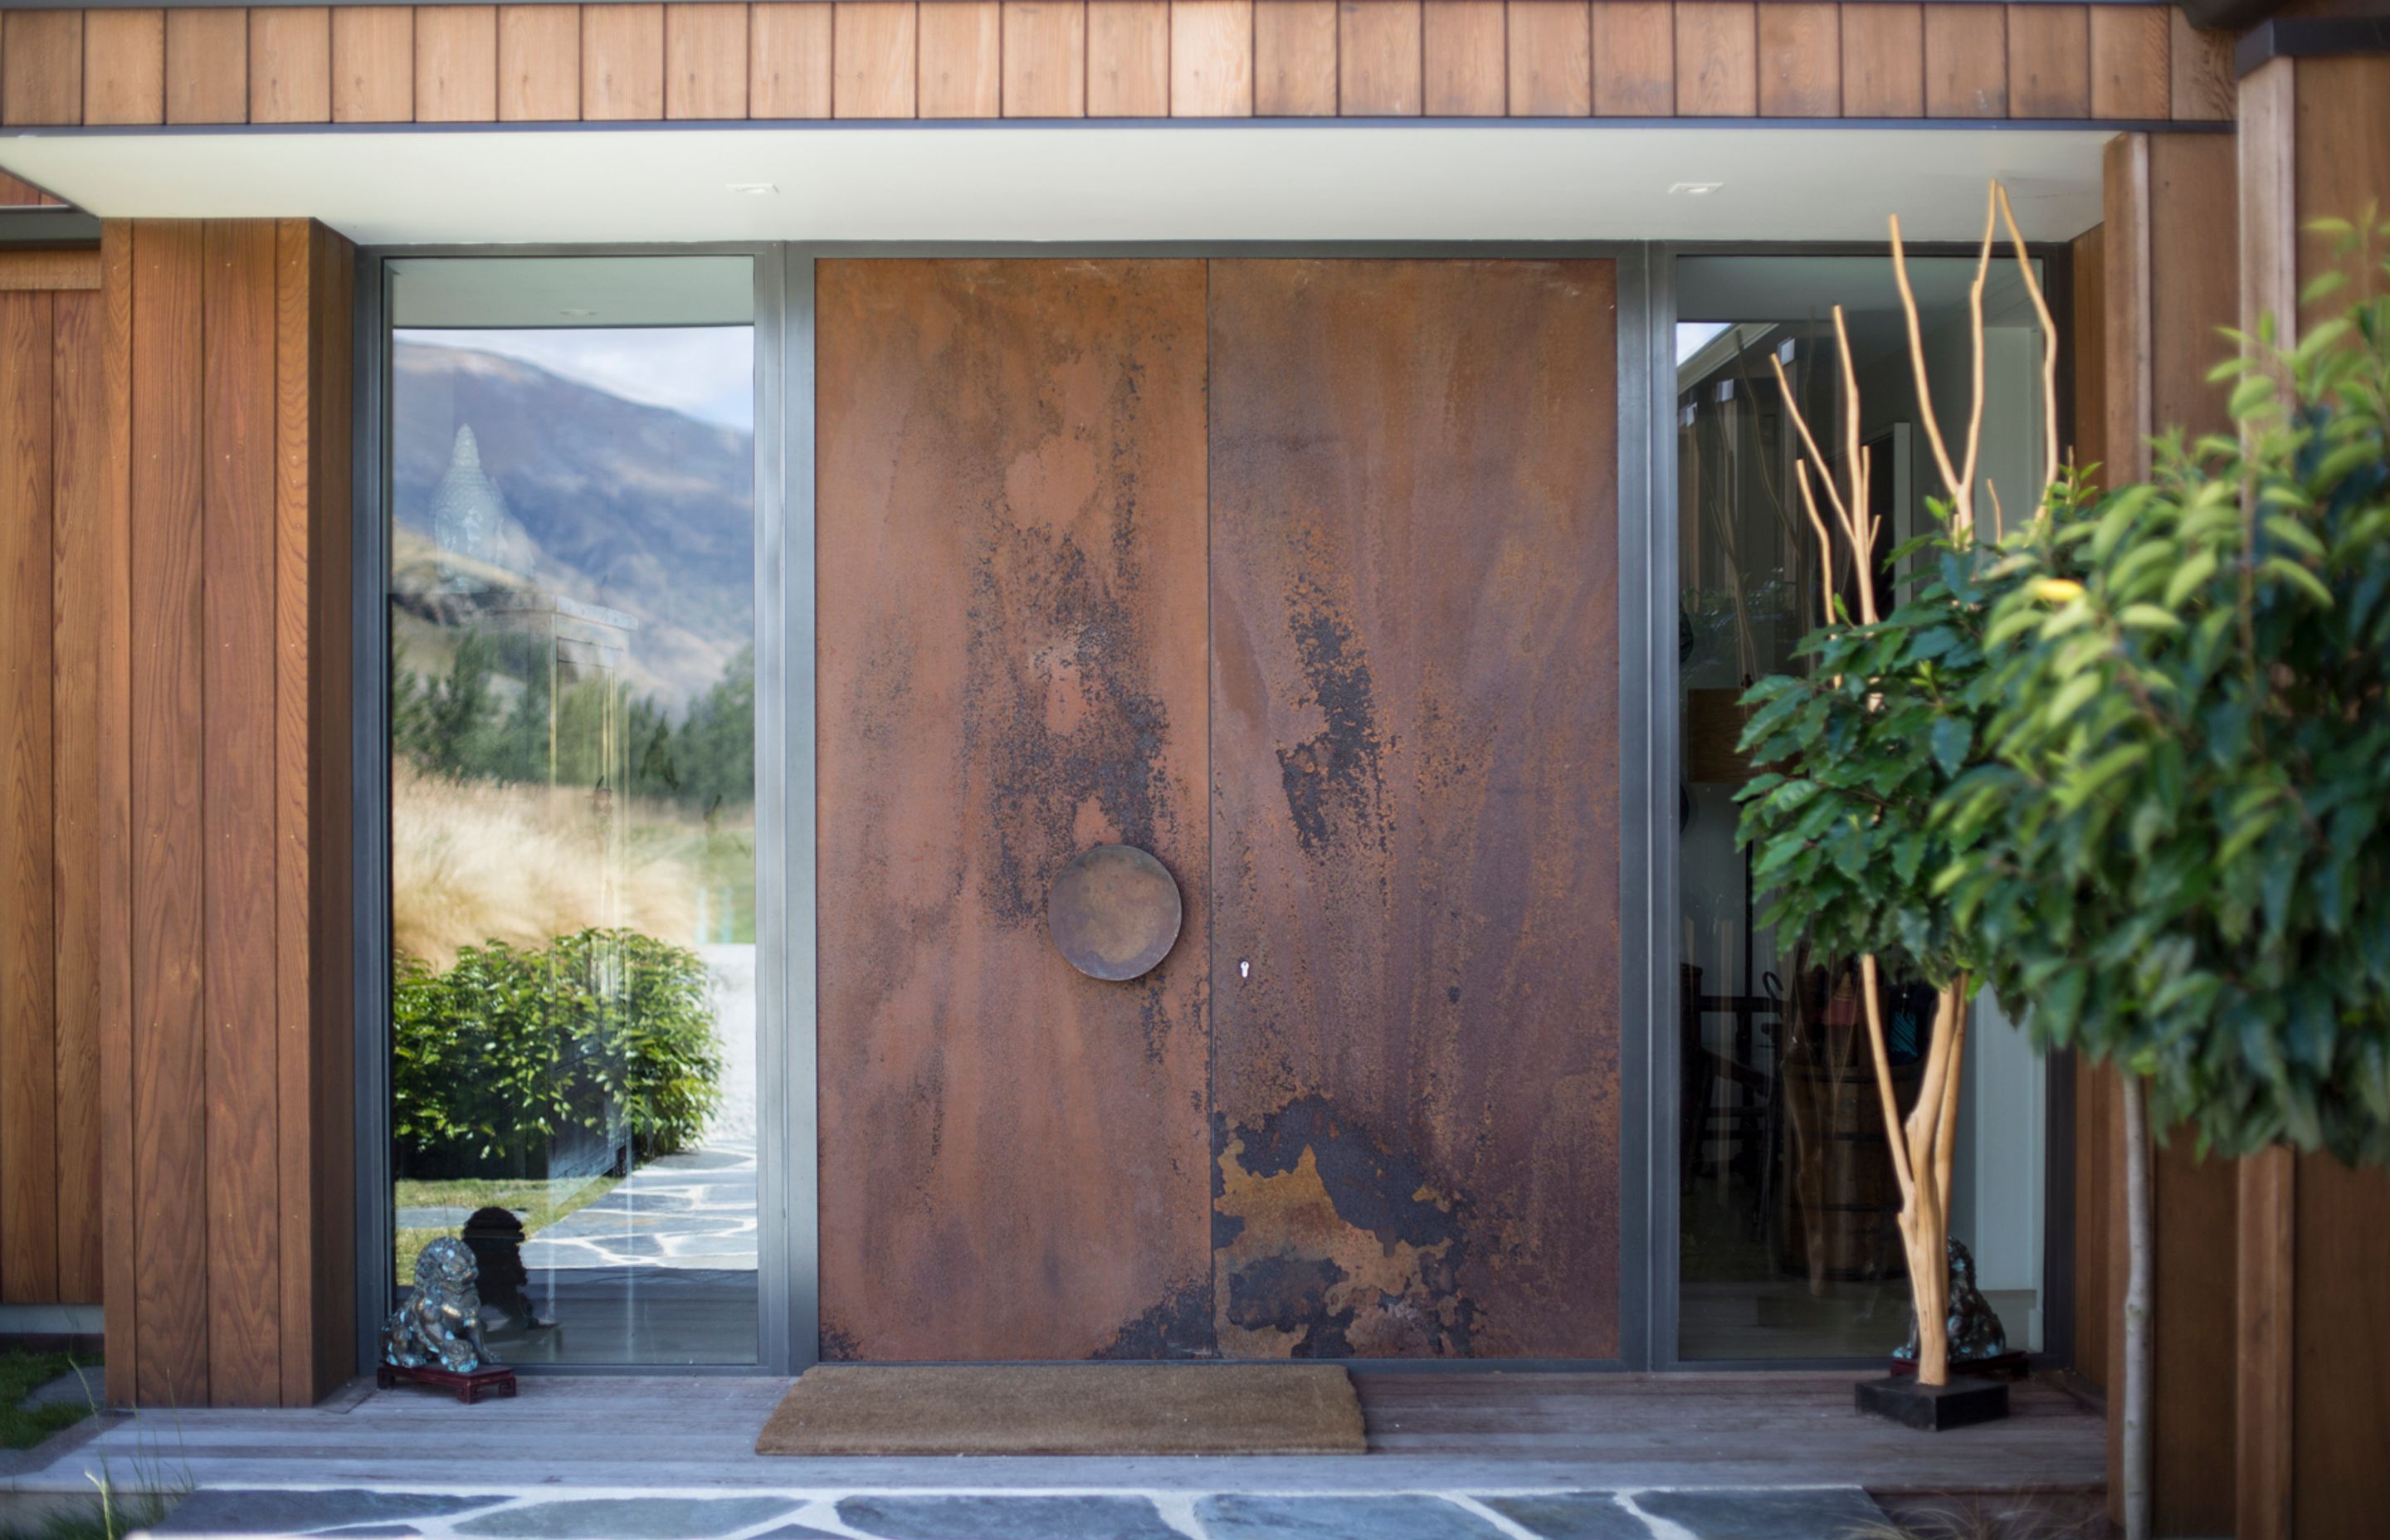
[(1415, 804), (1010, 589)]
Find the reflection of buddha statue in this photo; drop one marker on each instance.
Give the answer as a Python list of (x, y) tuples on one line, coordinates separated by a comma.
[(1975, 1333), (467, 514)]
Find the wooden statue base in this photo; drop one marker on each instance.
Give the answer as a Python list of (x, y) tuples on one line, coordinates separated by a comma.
[(489, 1381), (2007, 1366)]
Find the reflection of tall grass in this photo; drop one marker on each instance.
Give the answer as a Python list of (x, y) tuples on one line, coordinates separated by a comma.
[(473, 860)]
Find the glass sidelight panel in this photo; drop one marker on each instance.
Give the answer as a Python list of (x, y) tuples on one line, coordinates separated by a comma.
[(1787, 1241), (573, 797)]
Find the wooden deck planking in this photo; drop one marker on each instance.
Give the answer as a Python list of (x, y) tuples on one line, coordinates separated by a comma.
[(1466, 1431)]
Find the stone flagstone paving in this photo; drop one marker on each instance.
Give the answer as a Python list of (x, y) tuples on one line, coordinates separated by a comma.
[(1803, 1513)]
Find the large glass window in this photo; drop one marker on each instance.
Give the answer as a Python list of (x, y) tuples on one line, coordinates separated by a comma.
[(1788, 1246), (572, 794)]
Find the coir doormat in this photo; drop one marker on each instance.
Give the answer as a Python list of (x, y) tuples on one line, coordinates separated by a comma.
[(1067, 1409)]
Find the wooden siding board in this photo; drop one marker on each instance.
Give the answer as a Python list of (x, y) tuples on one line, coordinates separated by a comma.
[(1800, 60), (2049, 61), (2341, 124), (2124, 182), (1966, 61), (1012, 557), (29, 1252), (295, 840), (539, 63), (1634, 62), (125, 67), (237, 814), (373, 64), (2130, 65), (1465, 44), (79, 486), (1128, 58), (961, 65), (457, 64), (1391, 745), (875, 54), (2340, 1482), (170, 1164), (1717, 58), (1379, 58), (1294, 58), (207, 67), (289, 64), (1883, 62), (2194, 281), (2264, 1345), (1044, 58), (705, 61), (41, 68), (108, 572), (1212, 59), (788, 61), (622, 63), (2198, 72)]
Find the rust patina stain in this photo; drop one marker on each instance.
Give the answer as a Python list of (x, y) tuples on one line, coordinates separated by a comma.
[(1414, 764), (1010, 558)]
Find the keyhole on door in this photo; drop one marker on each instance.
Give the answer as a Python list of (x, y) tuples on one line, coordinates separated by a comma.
[(1244, 968)]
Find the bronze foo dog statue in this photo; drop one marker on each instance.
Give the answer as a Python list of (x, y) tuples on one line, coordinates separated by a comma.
[(1975, 1333), (439, 1327)]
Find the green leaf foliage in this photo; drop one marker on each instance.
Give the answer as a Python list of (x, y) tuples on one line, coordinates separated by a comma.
[(2176, 852), (511, 1051)]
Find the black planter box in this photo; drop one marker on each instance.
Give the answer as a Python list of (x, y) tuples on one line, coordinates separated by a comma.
[(1934, 1408)]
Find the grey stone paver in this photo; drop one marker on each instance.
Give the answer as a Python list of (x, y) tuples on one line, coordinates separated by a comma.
[(1825, 1513), (77, 1387), (1090, 1517), (234, 1512), (1244, 1516), (1572, 1516), (628, 1518)]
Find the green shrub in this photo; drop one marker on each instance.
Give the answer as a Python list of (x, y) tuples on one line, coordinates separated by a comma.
[(515, 1050)]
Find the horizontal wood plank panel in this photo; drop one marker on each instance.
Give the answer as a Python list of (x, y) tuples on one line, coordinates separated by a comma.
[(2130, 68), (456, 64), (290, 64), (705, 61), (962, 66), (1634, 58), (1128, 58), (373, 64), (169, 1048), (1465, 47), (1883, 62), (539, 63), (2198, 72), (1212, 59), (874, 54), (207, 67), (243, 1286), (2049, 66), (788, 61), (125, 67), (1551, 52), (41, 68), (80, 829), (1044, 58), (29, 1221), (1966, 61), (45, 267), (1717, 58), (1379, 58), (17, 193), (1294, 58), (1800, 60), (622, 63)]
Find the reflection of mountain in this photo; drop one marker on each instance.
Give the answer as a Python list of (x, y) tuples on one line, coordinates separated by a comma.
[(632, 507)]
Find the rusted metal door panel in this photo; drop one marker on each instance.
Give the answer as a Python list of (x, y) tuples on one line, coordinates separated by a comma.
[(1012, 644), (1414, 798)]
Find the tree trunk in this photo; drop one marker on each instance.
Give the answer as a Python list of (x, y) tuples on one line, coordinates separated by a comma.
[(2135, 1474)]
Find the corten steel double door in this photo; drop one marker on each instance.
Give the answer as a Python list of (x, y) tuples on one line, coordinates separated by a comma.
[(1302, 575)]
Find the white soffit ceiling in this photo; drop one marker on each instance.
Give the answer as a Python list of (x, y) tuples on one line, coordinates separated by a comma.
[(1254, 181)]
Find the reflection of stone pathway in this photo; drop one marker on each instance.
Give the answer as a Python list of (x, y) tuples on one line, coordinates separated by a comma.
[(693, 1209), (1801, 1513)]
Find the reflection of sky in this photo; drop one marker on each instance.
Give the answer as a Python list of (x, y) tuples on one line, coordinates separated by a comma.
[(1694, 335), (706, 372)]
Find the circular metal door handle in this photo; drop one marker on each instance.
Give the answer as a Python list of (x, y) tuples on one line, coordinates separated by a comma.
[(1113, 912)]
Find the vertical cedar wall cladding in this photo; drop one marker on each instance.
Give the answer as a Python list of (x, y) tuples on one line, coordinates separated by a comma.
[(218, 801), (1299, 574)]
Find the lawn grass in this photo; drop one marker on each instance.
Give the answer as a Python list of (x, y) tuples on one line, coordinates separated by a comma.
[(20, 1375), (536, 1201)]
